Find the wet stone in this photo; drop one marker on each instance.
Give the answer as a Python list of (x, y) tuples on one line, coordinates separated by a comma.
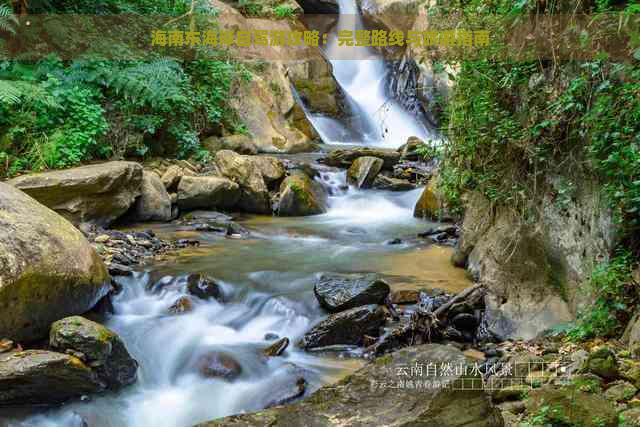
[(219, 365), (277, 348), (203, 287), (181, 306)]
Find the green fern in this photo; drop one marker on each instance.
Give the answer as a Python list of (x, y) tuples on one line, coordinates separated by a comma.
[(8, 20), (14, 92)]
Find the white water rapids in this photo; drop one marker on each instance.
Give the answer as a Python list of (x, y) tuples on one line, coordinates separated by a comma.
[(268, 283)]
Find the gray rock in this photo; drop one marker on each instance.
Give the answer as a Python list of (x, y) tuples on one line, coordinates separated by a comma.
[(361, 400), (103, 349), (383, 182), (345, 328), (254, 194), (338, 292), (96, 194), (154, 204), (36, 377), (207, 192)]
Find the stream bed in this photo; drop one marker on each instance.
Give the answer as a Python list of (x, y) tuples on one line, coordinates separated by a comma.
[(268, 283)]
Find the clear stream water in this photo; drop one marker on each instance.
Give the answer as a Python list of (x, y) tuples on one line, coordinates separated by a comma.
[(268, 282)]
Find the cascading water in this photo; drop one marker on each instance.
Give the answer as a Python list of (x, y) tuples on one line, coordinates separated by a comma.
[(378, 119)]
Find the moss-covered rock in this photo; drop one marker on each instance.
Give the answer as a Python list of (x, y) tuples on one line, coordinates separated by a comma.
[(620, 391), (48, 270), (603, 363), (373, 396), (300, 196), (567, 406), (429, 205), (364, 171), (102, 348), (97, 194), (37, 377)]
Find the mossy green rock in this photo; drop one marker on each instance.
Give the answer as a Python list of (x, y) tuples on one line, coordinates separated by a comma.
[(620, 391), (37, 377), (429, 204), (96, 194), (48, 270), (300, 196), (603, 363), (567, 406), (509, 393), (364, 171), (103, 349), (359, 399), (630, 417)]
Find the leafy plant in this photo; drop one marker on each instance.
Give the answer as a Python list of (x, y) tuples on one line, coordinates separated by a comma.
[(614, 292)]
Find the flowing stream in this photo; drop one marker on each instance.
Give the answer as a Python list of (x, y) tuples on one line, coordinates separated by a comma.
[(268, 283)]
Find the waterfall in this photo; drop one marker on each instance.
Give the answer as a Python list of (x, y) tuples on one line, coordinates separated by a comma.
[(378, 119)]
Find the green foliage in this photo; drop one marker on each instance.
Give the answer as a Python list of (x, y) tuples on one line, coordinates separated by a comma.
[(274, 8), (512, 124), (615, 293), (284, 11), (57, 113)]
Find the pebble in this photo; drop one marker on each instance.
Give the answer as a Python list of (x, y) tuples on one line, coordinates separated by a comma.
[(103, 238)]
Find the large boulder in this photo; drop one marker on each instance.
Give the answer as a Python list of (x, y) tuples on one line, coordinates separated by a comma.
[(339, 292), (97, 194), (154, 204), (172, 176), (345, 328), (271, 169), (300, 196), (210, 192), (386, 392), (48, 270), (102, 349), (254, 194), (37, 377), (344, 158), (363, 171), (568, 406)]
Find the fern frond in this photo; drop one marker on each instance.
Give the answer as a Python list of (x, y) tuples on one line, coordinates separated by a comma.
[(14, 92), (8, 20)]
